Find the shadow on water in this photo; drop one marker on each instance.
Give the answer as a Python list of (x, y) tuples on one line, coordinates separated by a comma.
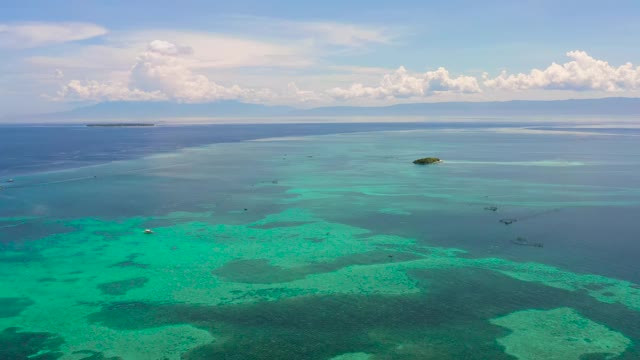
[(448, 319)]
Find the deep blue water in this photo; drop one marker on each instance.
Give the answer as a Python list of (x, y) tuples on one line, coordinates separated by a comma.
[(29, 149)]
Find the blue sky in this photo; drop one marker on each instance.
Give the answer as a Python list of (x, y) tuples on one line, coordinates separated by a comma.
[(61, 54)]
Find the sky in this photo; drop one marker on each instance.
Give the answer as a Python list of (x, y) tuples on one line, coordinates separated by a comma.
[(57, 55)]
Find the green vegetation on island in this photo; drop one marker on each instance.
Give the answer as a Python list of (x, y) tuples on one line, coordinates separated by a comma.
[(427, 161)]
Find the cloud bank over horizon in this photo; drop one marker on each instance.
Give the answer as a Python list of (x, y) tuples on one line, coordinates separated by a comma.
[(290, 61), (582, 73), (402, 84), (165, 71)]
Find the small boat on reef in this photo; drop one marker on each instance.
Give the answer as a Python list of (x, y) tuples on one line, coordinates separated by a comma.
[(148, 231)]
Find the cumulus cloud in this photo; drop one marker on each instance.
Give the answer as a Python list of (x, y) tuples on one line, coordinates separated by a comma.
[(101, 91), (163, 67), (166, 70), (30, 35), (402, 84), (168, 48), (202, 50), (582, 73), (296, 94), (163, 72)]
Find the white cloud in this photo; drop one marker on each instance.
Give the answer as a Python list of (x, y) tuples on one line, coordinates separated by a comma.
[(30, 35), (202, 67), (163, 72), (220, 51), (207, 51), (582, 73), (402, 84), (254, 60), (167, 48), (105, 91), (294, 93)]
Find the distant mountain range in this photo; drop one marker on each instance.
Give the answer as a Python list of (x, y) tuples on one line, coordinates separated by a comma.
[(135, 111), (606, 106)]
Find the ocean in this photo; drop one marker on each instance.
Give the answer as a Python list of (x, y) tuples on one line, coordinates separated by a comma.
[(320, 241)]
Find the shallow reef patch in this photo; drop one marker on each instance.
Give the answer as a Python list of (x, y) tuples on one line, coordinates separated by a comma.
[(558, 334)]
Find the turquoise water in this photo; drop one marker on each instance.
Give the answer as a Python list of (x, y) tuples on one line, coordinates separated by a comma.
[(520, 245)]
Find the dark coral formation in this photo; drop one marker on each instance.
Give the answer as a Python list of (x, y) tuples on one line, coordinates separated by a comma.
[(123, 286), (130, 262), (13, 306), (95, 355), (321, 327), (18, 345)]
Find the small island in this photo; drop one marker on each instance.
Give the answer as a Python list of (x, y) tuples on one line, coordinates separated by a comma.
[(427, 161)]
